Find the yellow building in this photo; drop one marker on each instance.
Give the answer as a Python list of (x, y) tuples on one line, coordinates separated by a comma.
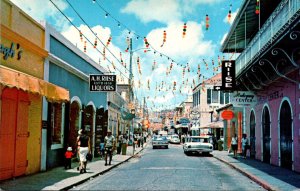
[(21, 91)]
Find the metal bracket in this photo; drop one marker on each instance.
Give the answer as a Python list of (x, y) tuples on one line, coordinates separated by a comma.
[(255, 87)]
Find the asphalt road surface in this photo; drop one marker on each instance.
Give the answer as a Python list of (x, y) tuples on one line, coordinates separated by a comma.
[(171, 169)]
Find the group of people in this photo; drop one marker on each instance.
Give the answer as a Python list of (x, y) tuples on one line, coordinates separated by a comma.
[(244, 142), (84, 149)]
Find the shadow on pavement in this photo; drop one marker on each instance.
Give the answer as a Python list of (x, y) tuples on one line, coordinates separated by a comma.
[(196, 154), (283, 174)]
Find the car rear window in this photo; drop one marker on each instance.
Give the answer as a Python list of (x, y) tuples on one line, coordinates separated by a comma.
[(199, 140)]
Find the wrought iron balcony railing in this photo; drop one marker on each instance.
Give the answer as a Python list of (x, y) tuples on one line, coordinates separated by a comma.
[(285, 14)]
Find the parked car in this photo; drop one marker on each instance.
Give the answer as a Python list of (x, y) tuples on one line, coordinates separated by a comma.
[(200, 144), (175, 139), (160, 141)]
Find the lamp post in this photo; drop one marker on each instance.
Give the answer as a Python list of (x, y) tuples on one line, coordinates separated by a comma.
[(131, 97)]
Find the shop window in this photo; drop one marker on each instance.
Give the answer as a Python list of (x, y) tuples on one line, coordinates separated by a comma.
[(221, 97), (215, 97), (57, 124), (208, 96)]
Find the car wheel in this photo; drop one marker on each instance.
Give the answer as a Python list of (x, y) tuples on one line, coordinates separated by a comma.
[(153, 147), (205, 153), (167, 147)]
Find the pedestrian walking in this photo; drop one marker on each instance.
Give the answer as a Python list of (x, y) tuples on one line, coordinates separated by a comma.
[(109, 145), (78, 147), (244, 145), (234, 145), (119, 143), (85, 148), (68, 157)]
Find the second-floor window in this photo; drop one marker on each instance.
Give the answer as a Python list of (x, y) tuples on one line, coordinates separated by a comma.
[(217, 97)]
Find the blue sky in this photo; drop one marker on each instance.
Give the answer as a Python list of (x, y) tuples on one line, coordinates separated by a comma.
[(146, 18)]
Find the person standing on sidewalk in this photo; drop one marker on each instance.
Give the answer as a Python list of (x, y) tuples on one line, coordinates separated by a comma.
[(234, 145), (85, 148), (68, 158), (244, 145), (109, 145)]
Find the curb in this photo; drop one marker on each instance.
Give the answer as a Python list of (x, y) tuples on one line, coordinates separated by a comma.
[(256, 179), (102, 172)]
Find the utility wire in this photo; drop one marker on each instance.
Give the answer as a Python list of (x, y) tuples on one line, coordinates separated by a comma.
[(83, 34)]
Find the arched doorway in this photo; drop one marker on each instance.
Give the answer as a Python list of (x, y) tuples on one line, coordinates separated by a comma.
[(266, 123), (88, 123), (252, 135), (286, 139), (74, 124)]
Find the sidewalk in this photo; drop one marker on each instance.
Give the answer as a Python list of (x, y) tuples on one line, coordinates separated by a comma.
[(60, 179), (268, 176)]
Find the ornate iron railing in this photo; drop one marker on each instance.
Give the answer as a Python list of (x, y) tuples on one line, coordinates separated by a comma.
[(285, 14)]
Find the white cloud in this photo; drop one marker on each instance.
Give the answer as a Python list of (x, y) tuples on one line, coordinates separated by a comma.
[(154, 10), (43, 9)]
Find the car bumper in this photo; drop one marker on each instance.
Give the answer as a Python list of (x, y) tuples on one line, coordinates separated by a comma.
[(159, 144), (200, 150)]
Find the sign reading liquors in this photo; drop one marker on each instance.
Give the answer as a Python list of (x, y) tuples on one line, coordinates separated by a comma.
[(243, 99), (228, 75), (102, 83)]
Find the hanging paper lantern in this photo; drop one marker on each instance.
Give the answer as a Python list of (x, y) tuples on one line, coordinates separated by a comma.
[(146, 44), (103, 53), (153, 66), (113, 65), (84, 47), (167, 71), (257, 7), (80, 34), (219, 60), (207, 22), (194, 82), (174, 87), (139, 65), (164, 38), (198, 72), (183, 72), (122, 62), (148, 84), (229, 14), (95, 43), (212, 62), (109, 40), (184, 30), (109, 69), (128, 44)]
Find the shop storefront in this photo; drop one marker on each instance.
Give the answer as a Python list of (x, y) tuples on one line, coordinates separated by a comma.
[(21, 92), (69, 67)]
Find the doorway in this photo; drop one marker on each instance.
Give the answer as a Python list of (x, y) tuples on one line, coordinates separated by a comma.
[(13, 133), (266, 123), (252, 135), (286, 139)]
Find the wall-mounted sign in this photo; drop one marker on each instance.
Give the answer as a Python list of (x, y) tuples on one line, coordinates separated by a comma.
[(228, 75), (227, 114), (103, 83), (243, 99), (11, 51)]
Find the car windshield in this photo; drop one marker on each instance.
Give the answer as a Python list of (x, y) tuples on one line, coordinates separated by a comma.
[(160, 138), (175, 136), (199, 140)]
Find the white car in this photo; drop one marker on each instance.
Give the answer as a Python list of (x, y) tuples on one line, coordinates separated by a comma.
[(198, 144), (175, 139)]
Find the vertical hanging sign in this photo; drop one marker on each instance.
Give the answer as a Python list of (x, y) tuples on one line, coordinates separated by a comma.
[(228, 75)]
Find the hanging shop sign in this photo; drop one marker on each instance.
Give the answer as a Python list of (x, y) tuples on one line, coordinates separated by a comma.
[(103, 83), (227, 114), (228, 75), (243, 99)]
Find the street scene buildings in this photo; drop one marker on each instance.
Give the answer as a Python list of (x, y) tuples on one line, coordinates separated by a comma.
[(61, 76)]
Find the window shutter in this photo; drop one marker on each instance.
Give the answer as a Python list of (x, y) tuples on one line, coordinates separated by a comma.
[(221, 97), (208, 96), (226, 98)]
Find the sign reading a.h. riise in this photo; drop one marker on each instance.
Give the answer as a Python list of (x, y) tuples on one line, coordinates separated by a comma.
[(228, 75), (103, 83), (243, 99)]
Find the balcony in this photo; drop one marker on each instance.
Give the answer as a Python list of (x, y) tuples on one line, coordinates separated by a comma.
[(282, 20)]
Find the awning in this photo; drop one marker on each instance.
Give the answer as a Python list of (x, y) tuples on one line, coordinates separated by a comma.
[(213, 125), (14, 79)]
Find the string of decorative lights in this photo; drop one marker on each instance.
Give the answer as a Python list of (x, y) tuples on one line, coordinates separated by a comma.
[(106, 46), (83, 35), (138, 37)]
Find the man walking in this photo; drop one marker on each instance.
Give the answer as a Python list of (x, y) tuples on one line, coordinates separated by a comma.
[(109, 145)]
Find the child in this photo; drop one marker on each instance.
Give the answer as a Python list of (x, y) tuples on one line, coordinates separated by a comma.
[(68, 157), (102, 149)]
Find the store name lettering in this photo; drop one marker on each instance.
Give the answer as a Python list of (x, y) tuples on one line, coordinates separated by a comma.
[(10, 51), (272, 96)]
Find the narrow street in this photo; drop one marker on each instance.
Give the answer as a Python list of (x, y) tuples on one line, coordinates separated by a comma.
[(171, 169)]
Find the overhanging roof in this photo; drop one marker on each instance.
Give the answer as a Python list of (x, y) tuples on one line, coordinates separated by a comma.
[(246, 24)]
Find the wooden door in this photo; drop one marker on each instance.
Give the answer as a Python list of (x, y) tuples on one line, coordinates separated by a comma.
[(13, 133)]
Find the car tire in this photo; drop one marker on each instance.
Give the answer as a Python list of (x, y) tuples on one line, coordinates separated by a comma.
[(153, 147), (167, 147)]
